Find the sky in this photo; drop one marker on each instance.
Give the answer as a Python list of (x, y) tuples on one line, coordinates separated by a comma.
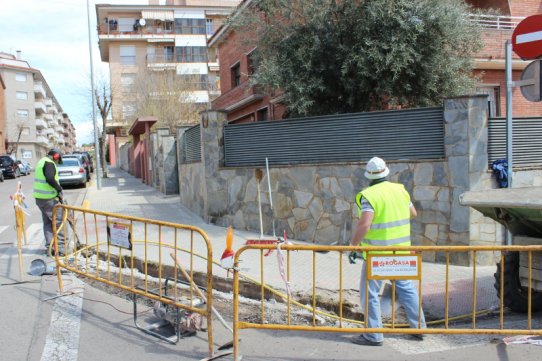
[(53, 37)]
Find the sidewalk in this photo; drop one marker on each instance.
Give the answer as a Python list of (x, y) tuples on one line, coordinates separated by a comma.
[(124, 194)]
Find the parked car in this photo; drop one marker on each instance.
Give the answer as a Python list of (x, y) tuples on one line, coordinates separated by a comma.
[(9, 167), (24, 167), (82, 158), (89, 158), (72, 172)]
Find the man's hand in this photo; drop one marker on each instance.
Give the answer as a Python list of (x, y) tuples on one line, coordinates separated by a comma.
[(60, 196)]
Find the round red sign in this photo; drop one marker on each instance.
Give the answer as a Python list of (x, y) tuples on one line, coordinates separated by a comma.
[(527, 38)]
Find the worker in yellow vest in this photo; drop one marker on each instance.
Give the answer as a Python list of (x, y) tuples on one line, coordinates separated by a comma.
[(385, 210), (48, 193)]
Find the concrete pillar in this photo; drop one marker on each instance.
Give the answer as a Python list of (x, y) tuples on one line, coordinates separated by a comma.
[(465, 140), (212, 140)]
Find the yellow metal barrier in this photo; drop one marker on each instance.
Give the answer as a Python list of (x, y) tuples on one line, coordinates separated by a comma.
[(298, 255), (96, 242)]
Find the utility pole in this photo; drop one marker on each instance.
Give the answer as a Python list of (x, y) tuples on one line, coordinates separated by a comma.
[(96, 144)]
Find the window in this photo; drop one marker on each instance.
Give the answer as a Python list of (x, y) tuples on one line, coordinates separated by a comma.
[(210, 29), (21, 95), (250, 63), (20, 77), (128, 109), (235, 75), (127, 82), (190, 26), (493, 100), (128, 54), (22, 113), (262, 115), (191, 54), (126, 24), (195, 81)]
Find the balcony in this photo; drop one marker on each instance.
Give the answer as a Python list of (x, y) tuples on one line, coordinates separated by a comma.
[(162, 61), (60, 140), (59, 129), (41, 139), (39, 90), (40, 107), (48, 117), (497, 22), (48, 102), (40, 123), (47, 132), (52, 109)]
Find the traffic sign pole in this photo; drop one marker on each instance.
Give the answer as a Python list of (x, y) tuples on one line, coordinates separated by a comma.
[(509, 133)]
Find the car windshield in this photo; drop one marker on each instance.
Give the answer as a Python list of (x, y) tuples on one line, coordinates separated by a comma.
[(5, 160), (69, 163)]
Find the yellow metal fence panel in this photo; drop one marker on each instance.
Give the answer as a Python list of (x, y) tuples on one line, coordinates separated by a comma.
[(301, 265), (149, 258)]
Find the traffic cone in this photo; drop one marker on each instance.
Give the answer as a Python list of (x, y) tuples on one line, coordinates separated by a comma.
[(226, 261)]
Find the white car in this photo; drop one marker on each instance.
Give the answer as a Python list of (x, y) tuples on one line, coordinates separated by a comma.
[(24, 167), (72, 172)]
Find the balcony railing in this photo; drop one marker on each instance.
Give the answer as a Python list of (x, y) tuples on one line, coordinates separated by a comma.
[(496, 21), (42, 139), (40, 123), (40, 107), (39, 90)]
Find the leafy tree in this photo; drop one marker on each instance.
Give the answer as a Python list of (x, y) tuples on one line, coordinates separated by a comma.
[(332, 56)]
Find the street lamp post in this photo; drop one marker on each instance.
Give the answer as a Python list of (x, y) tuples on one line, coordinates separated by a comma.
[(96, 144)]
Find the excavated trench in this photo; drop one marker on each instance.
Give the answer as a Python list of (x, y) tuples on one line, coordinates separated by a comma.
[(275, 306)]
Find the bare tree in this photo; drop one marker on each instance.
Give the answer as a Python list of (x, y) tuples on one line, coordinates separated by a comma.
[(104, 101), (170, 97), (12, 147)]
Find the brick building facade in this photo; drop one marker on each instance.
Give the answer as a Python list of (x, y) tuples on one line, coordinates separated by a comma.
[(242, 103)]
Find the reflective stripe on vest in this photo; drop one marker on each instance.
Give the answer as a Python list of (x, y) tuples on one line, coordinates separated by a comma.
[(42, 189), (391, 222)]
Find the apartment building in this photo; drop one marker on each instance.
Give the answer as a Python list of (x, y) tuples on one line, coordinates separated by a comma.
[(243, 103), (2, 118), (31, 119), (163, 36)]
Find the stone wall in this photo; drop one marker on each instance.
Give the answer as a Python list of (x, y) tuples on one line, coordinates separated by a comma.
[(315, 203)]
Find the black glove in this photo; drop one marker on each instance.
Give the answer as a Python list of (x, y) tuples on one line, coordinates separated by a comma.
[(352, 256)]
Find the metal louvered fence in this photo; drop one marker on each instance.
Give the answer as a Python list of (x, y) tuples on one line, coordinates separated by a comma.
[(191, 145), (526, 140), (397, 134)]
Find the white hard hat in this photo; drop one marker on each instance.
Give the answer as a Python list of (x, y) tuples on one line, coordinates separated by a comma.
[(376, 169)]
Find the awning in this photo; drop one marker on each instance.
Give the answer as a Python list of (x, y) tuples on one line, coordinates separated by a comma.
[(157, 15)]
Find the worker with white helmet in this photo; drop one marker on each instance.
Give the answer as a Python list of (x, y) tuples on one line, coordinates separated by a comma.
[(385, 210)]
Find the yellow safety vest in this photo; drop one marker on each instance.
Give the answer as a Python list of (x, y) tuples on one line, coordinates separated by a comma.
[(42, 189), (391, 222)]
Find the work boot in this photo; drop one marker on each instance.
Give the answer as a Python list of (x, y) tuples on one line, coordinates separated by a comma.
[(361, 340), (417, 336)]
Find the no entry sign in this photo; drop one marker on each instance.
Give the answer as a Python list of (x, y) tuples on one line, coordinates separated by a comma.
[(527, 38)]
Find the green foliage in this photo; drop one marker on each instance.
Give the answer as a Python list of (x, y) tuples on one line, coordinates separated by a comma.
[(331, 56)]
